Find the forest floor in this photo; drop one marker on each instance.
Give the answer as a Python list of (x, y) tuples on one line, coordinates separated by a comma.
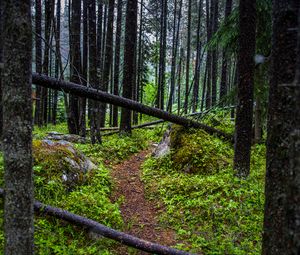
[(140, 214)]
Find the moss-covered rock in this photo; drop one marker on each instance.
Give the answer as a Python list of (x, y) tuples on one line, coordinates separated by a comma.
[(195, 151), (61, 161)]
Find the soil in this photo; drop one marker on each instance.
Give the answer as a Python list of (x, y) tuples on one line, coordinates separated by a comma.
[(139, 214)]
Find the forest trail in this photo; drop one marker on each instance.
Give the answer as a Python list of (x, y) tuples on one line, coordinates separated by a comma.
[(139, 214)]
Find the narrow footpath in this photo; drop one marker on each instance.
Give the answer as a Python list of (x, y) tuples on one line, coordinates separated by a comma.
[(139, 214)]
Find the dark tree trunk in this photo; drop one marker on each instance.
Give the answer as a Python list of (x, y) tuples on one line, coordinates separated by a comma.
[(107, 59), (214, 64), (209, 55), (223, 85), (57, 60), (129, 56), (75, 64), (198, 60), (179, 81), (243, 125), (17, 128), (188, 56), (99, 39), (1, 61), (38, 59), (162, 55), (117, 59), (176, 28), (280, 235), (95, 132)]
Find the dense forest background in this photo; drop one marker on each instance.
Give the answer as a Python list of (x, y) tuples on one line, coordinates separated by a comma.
[(87, 88)]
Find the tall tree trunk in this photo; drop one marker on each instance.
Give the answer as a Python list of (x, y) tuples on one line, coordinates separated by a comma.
[(57, 65), (162, 55), (17, 128), (214, 64), (198, 60), (1, 62), (117, 59), (243, 125), (95, 128), (278, 237), (179, 80), (75, 64), (188, 56), (129, 55), (38, 59), (223, 85), (99, 38), (209, 55), (107, 58), (176, 30)]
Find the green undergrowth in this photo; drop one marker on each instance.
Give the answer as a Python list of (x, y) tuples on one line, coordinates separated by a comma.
[(89, 198), (211, 210)]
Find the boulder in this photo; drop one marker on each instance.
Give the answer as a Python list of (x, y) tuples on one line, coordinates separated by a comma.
[(61, 161), (55, 136)]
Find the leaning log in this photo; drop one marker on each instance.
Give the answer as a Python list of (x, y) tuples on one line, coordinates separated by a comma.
[(105, 97), (88, 224)]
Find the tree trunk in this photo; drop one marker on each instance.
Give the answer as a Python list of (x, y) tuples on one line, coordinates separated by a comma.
[(38, 60), (223, 85), (214, 64), (1, 63), (278, 237), (17, 128), (107, 59), (188, 56), (129, 56), (75, 64), (208, 61), (243, 125), (117, 59), (198, 61), (179, 81)]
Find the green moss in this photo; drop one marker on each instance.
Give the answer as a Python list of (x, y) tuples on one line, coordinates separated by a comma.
[(212, 211), (194, 151)]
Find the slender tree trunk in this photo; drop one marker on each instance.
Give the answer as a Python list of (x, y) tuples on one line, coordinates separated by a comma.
[(117, 59), (214, 65), (223, 86), (129, 55), (208, 61), (17, 128), (1, 62), (188, 56), (179, 81), (38, 59), (198, 61), (281, 224), (176, 28), (243, 125), (75, 64), (108, 58)]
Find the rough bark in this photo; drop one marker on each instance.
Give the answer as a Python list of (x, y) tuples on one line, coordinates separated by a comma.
[(129, 62), (214, 63), (91, 93), (108, 58), (208, 61), (75, 64), (223, 85), (38, 59), (246, 52), (17, 128), (281, 123), (188, 56), (117, 59)]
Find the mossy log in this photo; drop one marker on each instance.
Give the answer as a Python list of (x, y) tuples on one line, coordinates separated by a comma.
[(88, 92)]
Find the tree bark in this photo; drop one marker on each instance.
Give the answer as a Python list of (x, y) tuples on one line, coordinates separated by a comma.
[(282, 121), (17, 128), (214, 64), (243, 125), (129, 62)]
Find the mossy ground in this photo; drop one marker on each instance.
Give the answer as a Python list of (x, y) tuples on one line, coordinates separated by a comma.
[(90, 198), (212, 210)]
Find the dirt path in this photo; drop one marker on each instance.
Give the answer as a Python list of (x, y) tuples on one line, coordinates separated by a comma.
[(139, 214)]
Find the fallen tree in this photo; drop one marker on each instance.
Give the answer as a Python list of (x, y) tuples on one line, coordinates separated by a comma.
[(105, 97), (88, 224)]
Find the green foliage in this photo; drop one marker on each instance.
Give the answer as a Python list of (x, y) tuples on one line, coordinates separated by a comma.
[(215, 212)]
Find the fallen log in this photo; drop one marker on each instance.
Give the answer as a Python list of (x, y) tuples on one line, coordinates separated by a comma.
[(129, 240), (105, 97)]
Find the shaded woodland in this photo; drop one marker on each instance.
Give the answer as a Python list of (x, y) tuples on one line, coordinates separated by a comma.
[(223, 73)]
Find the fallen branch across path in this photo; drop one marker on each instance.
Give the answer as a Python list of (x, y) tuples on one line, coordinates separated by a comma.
[(104, 97), (129, 240)]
